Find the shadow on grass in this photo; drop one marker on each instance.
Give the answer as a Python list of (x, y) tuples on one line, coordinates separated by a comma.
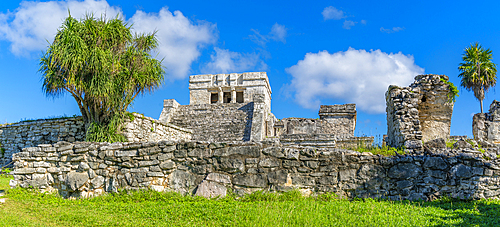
[(465, 213)]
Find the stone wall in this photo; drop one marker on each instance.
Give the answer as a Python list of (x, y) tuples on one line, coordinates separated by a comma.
[(211, 169), (140, 128), (486, 126), (434, 108), (403, 125), (338, 120), (420, 112), (14, 137), (216, 122)]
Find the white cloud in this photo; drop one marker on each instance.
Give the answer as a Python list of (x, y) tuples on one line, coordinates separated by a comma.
[(278, 33), (394, 29), (363, 21), (32, 24), (225, 61), (179, 39), (348, 24), (357, 76), (332, 13)]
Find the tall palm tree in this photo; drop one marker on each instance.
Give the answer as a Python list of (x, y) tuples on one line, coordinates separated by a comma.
[(477, 71)]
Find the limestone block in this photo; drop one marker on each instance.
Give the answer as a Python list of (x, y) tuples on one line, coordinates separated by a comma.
[(76, 180), (182, 181), (277, 177), (404, 171), (461, 171), (251, 180), (209, 189), (218, 177)]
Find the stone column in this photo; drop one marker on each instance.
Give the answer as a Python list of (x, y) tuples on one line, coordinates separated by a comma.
[(221, 96), (169, 107), (233, 95)]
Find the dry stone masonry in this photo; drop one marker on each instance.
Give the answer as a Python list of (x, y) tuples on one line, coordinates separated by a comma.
[(419, 113), (486, 126), (137, 128), (15, 137), (212, 169)]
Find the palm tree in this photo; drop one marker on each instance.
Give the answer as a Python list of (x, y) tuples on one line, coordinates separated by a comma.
[(477, 71), (104, 67)]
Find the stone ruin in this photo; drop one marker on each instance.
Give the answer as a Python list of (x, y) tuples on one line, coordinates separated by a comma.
[(237, 107), (418, 113), (486, 126), (227, 139)]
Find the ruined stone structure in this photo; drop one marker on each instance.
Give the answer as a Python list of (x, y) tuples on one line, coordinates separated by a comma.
[(225, 107), (15, 137), (486, 126), (211, 169), (335, 126), (419, 113)]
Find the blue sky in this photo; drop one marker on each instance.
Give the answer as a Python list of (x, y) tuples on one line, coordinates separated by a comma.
[(314, 52)]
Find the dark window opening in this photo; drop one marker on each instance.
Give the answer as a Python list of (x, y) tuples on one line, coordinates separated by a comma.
[(214, 98), (424, 99), (227, 97), (239, 97)]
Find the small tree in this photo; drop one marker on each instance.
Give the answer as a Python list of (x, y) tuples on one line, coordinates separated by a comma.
[(477, 71), (104, 67)]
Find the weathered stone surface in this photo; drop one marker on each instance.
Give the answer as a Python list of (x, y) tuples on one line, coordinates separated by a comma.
[(251, 151), (436, 143), (435, 163), (182, 181), (461, 171), (167, 165), (269, 162), (209, 189), (420, 112), (220, 178), (251, 180), (404, 171), (232, 165), (75, 180), (97, 182), (457, 174), (277, 177)]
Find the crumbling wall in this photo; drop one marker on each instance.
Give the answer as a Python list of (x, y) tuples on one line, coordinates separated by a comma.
[(420, 112), (139, 128), (338, 120), (434, 108), (14, 137), (212, 169), (486, 126), (403, 124)]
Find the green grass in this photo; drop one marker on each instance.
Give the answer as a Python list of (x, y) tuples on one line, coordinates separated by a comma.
[(148, 208)]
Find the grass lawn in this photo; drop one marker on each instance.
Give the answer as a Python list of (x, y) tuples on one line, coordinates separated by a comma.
[(148, 208)]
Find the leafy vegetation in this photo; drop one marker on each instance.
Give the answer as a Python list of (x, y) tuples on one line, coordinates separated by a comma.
[(104, 67), (150, 208), (477, 71), (453, 90), (450, 143), (382, 150)]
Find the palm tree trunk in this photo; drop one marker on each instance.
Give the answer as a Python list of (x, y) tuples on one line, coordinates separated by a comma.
[(481, 102)]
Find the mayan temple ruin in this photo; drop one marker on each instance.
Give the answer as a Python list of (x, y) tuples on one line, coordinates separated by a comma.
[(228, 139)]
